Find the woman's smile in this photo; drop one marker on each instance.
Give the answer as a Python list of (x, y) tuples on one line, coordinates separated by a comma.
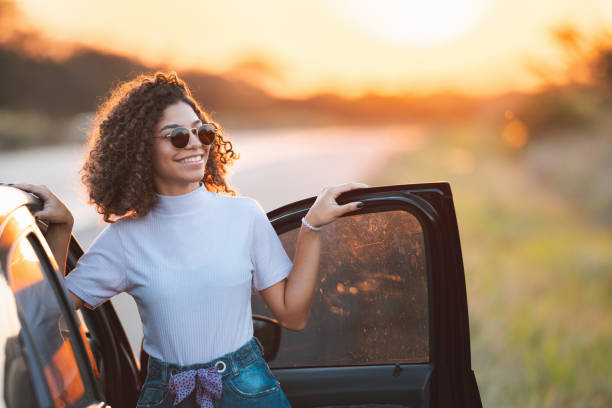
[(197, 159)]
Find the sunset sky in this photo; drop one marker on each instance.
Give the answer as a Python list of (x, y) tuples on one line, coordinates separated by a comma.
[(298, 48)]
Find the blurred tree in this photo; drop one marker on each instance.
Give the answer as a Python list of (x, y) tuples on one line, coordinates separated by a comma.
[(602, 70), (577, 91), (572, 44)]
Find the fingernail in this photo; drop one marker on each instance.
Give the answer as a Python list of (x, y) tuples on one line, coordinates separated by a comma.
[(360, 204)]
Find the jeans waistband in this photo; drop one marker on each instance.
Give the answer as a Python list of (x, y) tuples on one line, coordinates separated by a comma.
[(227, 364)]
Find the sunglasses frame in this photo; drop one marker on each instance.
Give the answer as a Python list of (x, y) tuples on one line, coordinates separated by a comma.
[(178, 131)]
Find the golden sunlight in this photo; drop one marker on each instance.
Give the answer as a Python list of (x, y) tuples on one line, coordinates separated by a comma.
[(350, 47), (419, 23)]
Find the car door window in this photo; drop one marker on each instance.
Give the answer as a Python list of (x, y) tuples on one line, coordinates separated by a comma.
[(372, 301), (49, 329), (17, 387)]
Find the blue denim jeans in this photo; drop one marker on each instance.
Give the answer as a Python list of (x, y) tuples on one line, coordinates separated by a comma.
[(247, 381)]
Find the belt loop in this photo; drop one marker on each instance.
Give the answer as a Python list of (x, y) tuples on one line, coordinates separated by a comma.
[(156, 369), (259, 345), (166, 370), (234, 363)]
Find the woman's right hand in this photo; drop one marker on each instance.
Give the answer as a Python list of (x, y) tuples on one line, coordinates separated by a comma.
[(54, 211)]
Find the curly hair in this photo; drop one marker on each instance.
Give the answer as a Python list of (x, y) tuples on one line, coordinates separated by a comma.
[(118, 169)]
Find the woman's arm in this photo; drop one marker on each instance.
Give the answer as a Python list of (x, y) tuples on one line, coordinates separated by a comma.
[(290, 299), (60, 221), (58, 238)]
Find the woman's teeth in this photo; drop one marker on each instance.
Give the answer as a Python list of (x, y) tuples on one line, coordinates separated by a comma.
[(192, 159)]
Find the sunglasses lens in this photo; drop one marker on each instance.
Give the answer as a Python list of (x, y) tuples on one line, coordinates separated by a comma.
[(207, 133), (179, 137)]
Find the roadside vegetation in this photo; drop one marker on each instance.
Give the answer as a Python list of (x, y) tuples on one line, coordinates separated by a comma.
[(538, 264)]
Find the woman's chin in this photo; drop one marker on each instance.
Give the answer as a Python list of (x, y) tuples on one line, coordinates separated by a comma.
[(192, 175)]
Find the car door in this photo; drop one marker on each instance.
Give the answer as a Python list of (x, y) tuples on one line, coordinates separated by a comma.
[(54, 356), (389, 321), (120, 378), (44, 359)]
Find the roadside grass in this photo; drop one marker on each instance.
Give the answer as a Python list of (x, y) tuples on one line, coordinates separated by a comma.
[(538, 271)]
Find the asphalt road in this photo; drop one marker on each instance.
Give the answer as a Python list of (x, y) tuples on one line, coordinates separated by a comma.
[(276, 167)]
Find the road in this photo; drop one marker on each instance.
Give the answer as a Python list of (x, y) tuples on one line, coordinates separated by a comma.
[(276, 167)]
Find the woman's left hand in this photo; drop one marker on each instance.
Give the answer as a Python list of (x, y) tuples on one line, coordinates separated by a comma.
[(325, 208)]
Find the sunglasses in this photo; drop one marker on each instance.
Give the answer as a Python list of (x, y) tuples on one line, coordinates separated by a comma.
[(179, 137)]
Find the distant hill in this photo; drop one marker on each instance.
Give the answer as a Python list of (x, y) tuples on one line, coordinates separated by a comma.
[(78, 83)]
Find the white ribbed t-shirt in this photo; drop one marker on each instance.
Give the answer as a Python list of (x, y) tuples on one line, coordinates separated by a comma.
[(189, 264)]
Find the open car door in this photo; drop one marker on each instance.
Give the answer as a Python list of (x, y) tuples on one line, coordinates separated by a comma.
[(119, 373), (389, 321), (53, 356), (48, 356)]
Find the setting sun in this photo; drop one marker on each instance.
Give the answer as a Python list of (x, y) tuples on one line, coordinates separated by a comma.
[(414, 22)]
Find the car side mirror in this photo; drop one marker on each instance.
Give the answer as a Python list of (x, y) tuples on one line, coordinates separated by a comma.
[(268, 331)]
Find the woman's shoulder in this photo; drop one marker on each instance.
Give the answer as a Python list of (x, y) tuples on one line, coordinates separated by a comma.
[(119, 226), (246, 206), (241, 202)]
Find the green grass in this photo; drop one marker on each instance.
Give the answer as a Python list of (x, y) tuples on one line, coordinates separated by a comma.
[(538, 270)]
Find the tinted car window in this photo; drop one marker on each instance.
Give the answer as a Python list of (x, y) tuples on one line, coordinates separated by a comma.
[(372, 301), (47, 326), (17, 385)]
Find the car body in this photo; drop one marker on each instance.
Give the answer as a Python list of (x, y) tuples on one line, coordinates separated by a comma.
[(388, 325)]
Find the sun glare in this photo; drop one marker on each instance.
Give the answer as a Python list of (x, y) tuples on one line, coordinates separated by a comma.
[(419, 23)]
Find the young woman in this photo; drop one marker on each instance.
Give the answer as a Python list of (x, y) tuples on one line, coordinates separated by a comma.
[(188, 255)]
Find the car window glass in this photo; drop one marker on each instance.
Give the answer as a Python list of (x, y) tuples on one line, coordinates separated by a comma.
[(86, 335), (17, 385), (371, 305), (47, 325)]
